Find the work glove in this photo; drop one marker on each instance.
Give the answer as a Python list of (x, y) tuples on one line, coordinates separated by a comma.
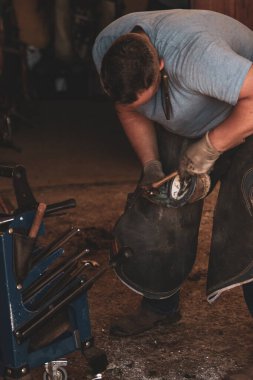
[(198, 158), (152, 172)]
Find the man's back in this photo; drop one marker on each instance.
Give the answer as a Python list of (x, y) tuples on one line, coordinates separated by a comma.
[(206, 55)]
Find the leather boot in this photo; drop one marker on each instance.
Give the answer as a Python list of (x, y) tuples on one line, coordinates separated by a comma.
[(143, 320)]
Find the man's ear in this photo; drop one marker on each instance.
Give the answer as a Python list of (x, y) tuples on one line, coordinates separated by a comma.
[(161, 64)]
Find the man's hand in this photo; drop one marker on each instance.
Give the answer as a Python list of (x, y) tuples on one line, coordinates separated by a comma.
[(152, 172), (198, 158)]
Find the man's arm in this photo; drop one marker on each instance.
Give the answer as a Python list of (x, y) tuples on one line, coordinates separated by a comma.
[(142, 136), (200, 157), (239, 124), (140, 132)]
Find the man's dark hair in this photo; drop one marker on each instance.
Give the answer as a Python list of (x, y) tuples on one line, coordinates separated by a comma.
[(128, 68)]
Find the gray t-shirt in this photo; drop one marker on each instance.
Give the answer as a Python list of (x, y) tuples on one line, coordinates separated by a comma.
[(207, 56)]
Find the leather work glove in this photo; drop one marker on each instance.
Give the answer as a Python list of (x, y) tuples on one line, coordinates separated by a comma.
[(198, 158), (152, 172)]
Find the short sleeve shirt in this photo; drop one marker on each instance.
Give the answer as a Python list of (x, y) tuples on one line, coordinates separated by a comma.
[(207, 56)]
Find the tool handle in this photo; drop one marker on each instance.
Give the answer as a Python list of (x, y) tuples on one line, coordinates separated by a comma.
[(54, 207), (157, 184), (37, 220)]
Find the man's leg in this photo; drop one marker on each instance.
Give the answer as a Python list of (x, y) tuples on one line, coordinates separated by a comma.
[(248, 296), (151, 313), (231, 256), (247, 373), (167, 237), (166, 306)]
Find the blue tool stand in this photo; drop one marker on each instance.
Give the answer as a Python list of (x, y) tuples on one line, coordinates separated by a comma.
[(44, 312)]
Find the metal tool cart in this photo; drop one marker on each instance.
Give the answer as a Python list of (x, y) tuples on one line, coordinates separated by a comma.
[(43, 294)]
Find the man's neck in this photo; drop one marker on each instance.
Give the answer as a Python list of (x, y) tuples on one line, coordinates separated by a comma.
[(138, 29)]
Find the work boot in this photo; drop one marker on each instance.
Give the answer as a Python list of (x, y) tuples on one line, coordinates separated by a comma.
[(150, 314)]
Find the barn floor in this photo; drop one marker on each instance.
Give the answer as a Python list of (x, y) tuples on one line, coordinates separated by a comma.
[(76, 149)]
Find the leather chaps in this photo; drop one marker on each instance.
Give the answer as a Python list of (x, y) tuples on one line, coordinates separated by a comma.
[(163, 240)]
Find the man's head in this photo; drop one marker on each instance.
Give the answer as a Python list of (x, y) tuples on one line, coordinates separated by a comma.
[(130, 67)]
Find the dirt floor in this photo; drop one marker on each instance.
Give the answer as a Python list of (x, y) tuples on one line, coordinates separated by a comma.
[(209, 340)]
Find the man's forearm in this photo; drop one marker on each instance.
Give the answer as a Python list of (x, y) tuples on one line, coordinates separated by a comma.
[(141, 134), (200, 156), (235, 128)]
